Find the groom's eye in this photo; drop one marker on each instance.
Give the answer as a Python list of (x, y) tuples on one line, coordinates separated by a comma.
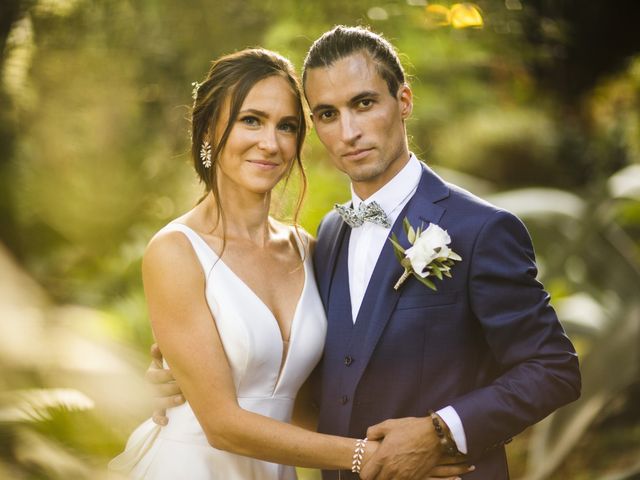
[(327, 115)]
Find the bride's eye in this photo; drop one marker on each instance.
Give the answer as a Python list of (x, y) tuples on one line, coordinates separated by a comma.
[(250, 121), (289, 127)]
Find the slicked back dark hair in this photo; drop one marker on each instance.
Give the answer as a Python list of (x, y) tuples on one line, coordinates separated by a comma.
[(342, 41)]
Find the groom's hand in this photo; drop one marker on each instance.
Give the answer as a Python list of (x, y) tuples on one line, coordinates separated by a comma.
[(410, 449), (167, 391)]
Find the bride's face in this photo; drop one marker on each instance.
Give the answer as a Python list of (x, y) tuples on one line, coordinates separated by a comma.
[(261, 146)]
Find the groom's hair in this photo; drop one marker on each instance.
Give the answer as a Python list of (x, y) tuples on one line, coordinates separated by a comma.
[(341, 41)]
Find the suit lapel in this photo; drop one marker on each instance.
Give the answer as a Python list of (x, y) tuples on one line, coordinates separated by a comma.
[(337, 230), (380, 298)]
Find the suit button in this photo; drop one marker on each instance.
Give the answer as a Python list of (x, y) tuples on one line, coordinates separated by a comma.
[(343, 400), (348, 360)]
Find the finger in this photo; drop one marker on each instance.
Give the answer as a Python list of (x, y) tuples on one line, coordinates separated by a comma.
[(446, 471), (159, 417), (370, 470), (159, 375), (379, 431), (167, 389), (156, 354), (386, 473), (162, 403), (454, 460)]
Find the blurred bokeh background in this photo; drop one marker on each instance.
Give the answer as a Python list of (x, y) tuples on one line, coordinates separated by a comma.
[(531, 104)]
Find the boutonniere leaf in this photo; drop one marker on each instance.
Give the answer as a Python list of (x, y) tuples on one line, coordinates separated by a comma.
[(428, 256)]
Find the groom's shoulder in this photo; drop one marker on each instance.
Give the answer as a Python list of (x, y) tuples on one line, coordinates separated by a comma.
[(478, 213), (330, 221), (459, 198), (464, 198), (453, 195), (471, 209)]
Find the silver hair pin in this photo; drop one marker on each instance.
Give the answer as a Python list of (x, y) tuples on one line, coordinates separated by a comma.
[(194, 92)]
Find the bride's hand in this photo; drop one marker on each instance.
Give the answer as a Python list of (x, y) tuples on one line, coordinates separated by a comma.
[(369, 449), (167, 391)]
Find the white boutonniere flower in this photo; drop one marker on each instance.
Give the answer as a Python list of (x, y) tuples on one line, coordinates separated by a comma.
[(429, 254)]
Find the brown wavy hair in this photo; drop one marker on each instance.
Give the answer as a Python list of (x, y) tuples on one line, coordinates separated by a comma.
[(233, 76)]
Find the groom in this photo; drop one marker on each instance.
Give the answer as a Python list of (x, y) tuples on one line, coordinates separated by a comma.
[(484, 353)]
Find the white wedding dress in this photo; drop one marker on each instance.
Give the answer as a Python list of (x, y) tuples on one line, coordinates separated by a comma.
[(253, 345)]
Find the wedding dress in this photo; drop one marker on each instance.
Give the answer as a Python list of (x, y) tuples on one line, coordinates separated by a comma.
[(265, 382)]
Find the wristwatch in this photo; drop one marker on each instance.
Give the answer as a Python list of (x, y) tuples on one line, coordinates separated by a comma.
[(448, 444)]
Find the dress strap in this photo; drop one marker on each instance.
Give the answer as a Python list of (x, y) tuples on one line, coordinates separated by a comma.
[(302, 243), (206, 255)]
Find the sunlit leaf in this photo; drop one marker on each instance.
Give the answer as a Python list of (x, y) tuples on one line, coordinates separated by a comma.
[(61, 8), (35, 405), (464, 15), (50, 456), (436, 15), (377, 13), (626, 183)]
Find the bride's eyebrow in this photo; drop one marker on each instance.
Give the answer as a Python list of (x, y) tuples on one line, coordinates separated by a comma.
[(263, 114), (289, 118), (253, 111)]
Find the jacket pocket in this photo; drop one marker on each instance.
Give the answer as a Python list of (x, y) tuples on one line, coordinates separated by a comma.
[(427, 299)]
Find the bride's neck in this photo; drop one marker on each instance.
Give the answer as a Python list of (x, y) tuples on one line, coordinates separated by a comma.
[(246, 216)]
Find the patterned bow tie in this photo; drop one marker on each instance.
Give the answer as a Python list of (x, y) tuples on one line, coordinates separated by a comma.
[(371, 212)]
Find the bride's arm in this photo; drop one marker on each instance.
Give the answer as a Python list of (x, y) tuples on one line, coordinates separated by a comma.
[(187, 335)]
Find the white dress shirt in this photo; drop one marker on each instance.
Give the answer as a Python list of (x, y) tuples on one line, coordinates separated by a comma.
[(365, 246)]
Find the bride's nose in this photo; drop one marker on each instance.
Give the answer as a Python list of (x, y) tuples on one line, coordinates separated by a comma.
[(268, 141)]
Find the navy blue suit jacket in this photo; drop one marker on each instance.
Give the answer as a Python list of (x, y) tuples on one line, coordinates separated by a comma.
[(487, 342)]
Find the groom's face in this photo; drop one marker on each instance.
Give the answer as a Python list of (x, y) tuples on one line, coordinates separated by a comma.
[(358, 120)]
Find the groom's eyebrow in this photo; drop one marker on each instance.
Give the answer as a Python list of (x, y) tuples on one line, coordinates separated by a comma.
[(363, 95), (320, 107), (352, 101)]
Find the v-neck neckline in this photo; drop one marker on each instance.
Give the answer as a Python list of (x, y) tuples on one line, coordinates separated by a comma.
[(284, 357)]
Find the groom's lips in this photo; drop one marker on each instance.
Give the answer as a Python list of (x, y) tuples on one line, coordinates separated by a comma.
[(358, 154)]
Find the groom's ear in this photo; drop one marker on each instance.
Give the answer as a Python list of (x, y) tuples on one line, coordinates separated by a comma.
[(405, 97)]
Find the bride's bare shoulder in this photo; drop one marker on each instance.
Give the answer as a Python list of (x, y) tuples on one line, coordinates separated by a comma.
[(168, 250)]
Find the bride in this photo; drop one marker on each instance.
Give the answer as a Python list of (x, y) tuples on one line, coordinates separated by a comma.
[(231, 294)]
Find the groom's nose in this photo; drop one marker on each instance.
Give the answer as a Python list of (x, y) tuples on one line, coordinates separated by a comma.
[(349, 128)]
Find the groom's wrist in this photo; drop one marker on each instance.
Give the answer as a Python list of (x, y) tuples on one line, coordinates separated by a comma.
[(447, 443)]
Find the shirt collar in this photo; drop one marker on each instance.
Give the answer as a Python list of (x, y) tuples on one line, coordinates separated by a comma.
[(396, 190)]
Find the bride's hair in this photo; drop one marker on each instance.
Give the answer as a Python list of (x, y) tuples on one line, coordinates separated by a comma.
[(232, 77)]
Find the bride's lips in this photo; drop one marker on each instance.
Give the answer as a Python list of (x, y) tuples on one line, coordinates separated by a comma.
[(263, 164), (358, 154)]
